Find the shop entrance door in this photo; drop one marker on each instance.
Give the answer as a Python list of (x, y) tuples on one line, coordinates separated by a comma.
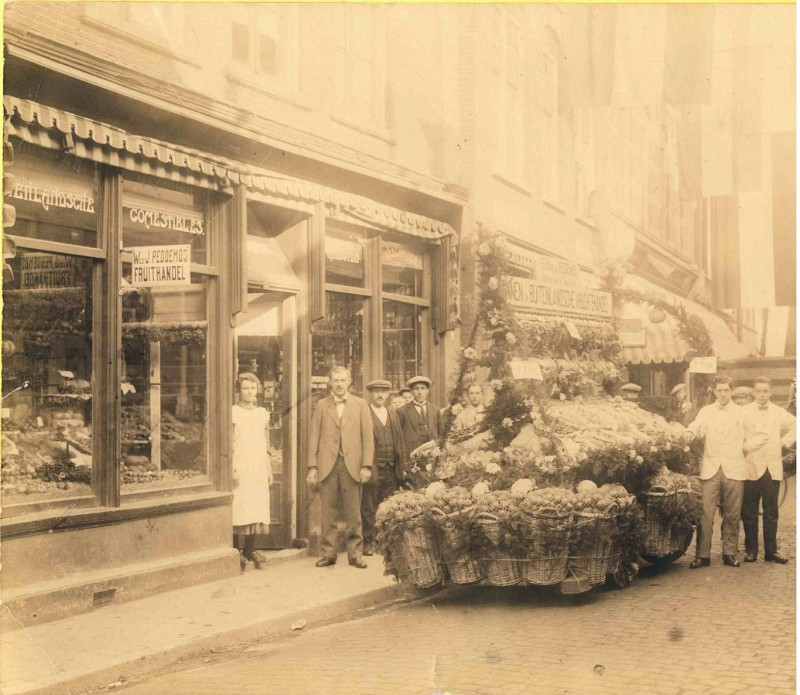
[(264, 348)]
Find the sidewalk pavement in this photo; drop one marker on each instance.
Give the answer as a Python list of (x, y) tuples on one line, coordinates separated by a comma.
[(141, 637)]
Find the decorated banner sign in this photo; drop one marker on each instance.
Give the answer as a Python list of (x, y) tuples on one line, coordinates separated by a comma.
[(540, 296), (157, 266), (46, 270), (703, 365), (526, 369)]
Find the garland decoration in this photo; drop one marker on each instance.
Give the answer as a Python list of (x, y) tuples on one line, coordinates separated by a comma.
[(167, 333)]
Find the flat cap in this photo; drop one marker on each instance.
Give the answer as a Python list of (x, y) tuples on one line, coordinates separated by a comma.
[(631, 387), (742, 391), (418, 380), (676, 388), (379, 384), (403, 390)]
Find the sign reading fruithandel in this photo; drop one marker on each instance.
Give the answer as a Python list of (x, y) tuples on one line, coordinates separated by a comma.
[(536, 295), (159, 266)]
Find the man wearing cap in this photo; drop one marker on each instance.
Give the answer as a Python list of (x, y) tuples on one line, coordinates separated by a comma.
[(630, 392), (390, 456), (681, 405), (340, 458), (743, 395), (420, 420), (767, 428), (405, 392)]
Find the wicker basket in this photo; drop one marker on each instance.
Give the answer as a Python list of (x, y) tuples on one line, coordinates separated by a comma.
[(501, 568), (591, 550), (462, 567), (658, 533), (547, 563), (418, 563)]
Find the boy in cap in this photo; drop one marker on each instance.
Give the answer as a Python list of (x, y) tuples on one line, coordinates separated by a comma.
[(742, 395), (630, 392), (420, 420), (390, 456), (406, 394)]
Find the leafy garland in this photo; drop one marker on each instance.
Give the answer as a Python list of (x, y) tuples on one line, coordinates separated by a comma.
[(61, 309), (172, 333)]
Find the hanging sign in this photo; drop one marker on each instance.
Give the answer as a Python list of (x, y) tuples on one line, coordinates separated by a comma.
[(159, 266), (703, 365), (632, 339), (525, 293), (572, 329), (46, 271), (526, 369)]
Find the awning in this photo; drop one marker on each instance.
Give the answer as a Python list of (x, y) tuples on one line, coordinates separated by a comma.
[(261, 320), (268, 268), (67, 132), (661, 341)]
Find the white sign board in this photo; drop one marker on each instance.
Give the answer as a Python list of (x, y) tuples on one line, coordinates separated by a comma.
[(703, 365), (526, 369), (633, 338), (161, 266), (572, 329), (524, 293)]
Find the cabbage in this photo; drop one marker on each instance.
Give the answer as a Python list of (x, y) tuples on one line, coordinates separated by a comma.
[(480, 489), (585, 486), (522, 487), (435, 488)]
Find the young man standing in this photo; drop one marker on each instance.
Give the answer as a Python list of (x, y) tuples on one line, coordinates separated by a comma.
[(722, 472), (767, 428), (390, 456), (420, 420)]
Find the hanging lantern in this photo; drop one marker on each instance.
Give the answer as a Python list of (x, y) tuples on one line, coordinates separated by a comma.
[(657, 315)]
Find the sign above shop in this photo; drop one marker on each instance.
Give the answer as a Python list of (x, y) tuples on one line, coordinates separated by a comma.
[(525, 293), (703, 365), (152, 219), (526, 369), (630, 339), (547, 269), (160, 266), (46, 271)]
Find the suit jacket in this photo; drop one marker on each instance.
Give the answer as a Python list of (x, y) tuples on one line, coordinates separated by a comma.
[(354, 431), (400, 453), (409, 423)]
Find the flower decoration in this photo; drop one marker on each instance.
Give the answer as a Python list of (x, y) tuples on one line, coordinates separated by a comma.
[(494, 283), (511, 339), (470, 353), (484, 250)]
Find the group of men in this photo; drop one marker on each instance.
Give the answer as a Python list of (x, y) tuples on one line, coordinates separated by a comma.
[(742, 467), (359, 454)]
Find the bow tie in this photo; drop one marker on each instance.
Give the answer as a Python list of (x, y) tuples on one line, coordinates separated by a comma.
[(763, 407), (340, 402)]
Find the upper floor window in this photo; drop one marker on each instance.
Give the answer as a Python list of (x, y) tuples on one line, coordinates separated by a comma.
[(551, 183), (509, 74), (584, 161), (359, 84), (263, 43)]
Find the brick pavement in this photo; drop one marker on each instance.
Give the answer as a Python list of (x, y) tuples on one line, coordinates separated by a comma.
[(715, 631)]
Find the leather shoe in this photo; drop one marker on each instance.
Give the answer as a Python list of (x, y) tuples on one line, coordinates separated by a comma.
[(730, 560), (357, 562), (776, 557), (750, 557), (699, 562), (326, 561), (368, 551)]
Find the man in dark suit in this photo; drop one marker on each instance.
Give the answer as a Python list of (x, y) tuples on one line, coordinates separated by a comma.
[(390, 457), (420, 421), (340, 459)]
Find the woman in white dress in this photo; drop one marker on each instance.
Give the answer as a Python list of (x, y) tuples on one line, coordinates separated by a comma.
[(252, 470)]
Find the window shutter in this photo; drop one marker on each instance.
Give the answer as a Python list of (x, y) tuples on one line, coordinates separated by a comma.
[(238, 259), (443, 316)]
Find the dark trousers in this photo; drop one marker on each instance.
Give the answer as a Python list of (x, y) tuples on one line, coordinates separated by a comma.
[(765, 490), (339, 491), (372, 494)]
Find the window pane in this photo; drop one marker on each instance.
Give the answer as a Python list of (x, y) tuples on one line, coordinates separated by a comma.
[(402, 269), (240, 49), (55, 196), (164, 387), (156, 216), (402, 342), (344, 258), (338, 340), (267, 55), (47, 378)]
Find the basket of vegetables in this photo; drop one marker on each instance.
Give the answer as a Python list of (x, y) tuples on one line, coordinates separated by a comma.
[(405, 539), (495, 537), (688, 508), (660, 504), (591, 541), (623, 502), (451, 516), (548, 514)]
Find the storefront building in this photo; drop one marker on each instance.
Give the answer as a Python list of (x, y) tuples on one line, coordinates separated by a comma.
[(142, 275)]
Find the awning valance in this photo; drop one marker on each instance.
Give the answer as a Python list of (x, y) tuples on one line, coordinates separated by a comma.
[(67, 132)]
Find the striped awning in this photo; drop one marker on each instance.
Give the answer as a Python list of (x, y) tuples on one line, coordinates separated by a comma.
[(60, 130)]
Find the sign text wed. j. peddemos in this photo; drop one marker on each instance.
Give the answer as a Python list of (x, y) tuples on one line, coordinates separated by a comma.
[(158, 266), (543, 296)]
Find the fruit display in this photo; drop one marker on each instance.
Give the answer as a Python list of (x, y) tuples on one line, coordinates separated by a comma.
[(454, 499), (402, 506), (595, 501), (501, 504), (548, 500)]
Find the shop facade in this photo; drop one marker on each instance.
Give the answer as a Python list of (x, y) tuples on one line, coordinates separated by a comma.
[(142, 277)]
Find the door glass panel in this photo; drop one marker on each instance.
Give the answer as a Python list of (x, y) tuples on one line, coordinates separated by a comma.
[(402, 342), (47, 378), (338, 340)]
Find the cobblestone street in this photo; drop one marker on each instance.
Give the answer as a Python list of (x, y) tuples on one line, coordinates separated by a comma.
[(719, 631)]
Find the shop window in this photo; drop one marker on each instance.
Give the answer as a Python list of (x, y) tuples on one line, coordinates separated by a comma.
[(55, 197), (47, 378), (402, 269), (402, 341), (510, 110), (344, 258), (338, 339)]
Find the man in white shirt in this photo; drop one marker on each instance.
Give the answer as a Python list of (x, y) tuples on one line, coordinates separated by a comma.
[(722, 472), (472, 414), (767, 428)]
